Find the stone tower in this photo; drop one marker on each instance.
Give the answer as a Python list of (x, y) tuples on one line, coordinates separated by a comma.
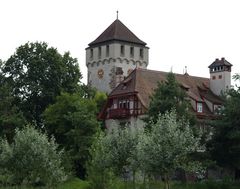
[(220, 76), (113, 55)]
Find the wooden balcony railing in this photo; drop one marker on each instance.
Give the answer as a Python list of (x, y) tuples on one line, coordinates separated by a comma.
[(122, 113)]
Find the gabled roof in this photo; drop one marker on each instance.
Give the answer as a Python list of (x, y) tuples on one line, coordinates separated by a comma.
[(220, 62), (119, 32), (143, 82)]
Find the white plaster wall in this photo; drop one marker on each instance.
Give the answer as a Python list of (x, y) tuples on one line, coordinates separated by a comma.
[(108, 63), (222, 84), (134, 122)]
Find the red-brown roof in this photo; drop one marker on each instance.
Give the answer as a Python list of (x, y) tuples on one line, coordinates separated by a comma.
[(144, 82), (119, 32)]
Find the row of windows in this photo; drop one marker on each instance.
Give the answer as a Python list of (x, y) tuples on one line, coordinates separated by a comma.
[(214, 77), (218, 68), (122, 52)]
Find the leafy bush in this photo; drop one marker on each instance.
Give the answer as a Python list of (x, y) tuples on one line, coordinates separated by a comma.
[(32, 158)]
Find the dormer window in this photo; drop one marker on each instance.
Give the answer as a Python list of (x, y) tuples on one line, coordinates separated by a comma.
[(199, 107), (217, 109)]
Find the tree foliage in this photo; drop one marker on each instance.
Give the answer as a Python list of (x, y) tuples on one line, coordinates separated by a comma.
[(72, 120), (225, 144), (167, 146), (37, 74), (169, 95), (32, 158), (113, 155), (11, 117)]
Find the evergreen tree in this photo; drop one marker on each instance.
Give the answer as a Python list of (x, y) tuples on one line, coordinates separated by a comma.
[(225, 144), (167, 96)]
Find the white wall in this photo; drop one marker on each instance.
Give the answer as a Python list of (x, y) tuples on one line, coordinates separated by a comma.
[(109, 63), (217, 85)]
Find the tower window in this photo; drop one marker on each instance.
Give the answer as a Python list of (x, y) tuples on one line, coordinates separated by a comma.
[(141, 53), (91, 53), (213, 77), (220, 77), (132, 51), (99, 52), (122, 50), (199, 107), (107, 51)]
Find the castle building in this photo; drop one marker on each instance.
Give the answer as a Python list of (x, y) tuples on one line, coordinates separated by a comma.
[(113, 55), (117, 64)]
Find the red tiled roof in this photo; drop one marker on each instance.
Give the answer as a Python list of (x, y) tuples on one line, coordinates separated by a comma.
[(144, 82), (117, 31)]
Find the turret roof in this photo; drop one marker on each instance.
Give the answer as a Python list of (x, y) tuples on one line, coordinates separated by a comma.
[(220, 62), (117, 31)]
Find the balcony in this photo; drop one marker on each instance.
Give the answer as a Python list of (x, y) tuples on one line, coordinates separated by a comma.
[(119, 113), (123, 113)]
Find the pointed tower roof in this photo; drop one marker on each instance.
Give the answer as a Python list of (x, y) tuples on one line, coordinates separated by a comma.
[(119, 32)]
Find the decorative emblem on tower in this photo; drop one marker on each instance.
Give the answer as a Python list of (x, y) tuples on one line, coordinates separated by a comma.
[(100, 73)]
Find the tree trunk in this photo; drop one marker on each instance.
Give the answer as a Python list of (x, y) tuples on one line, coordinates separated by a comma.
[(134, 180)]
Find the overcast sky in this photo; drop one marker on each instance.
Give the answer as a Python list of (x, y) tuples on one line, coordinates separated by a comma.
[(179, 33)]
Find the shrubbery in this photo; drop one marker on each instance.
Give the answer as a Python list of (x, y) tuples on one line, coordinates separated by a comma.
[(31, 159)]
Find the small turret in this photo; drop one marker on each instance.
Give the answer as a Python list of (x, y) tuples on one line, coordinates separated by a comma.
[(220, 75)]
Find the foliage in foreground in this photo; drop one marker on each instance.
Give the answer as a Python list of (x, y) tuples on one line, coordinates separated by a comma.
[(31, 159), (123, 152), (79, 184), (227, 133)]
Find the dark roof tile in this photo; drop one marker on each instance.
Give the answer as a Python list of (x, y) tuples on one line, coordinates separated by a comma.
[(119, 32)]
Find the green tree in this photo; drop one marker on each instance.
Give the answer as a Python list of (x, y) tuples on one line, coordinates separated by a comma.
[(37, 74), (224, 146), (100, 98), (72, 120), (113, 155), (32, 158), (169, 95), (99, 171), (168, 146), (10, 115)]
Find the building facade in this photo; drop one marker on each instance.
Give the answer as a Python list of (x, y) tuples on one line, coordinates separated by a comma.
[(113, 55), (117, 64)]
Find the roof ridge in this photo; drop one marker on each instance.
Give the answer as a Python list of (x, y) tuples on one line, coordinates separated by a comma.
[(158, 71)]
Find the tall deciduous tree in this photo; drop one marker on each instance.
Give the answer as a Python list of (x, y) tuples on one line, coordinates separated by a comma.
[(225, 144), (11, 116), (169, 95), (72, 120), (38, 74)]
